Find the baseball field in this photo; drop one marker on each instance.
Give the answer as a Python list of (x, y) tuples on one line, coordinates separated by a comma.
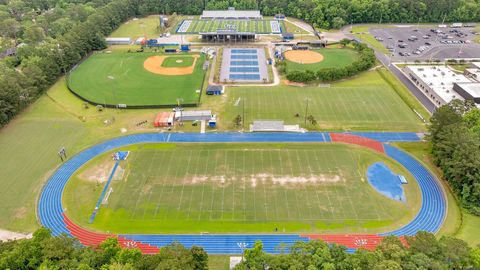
[(323, 58), (139, 79), (191, 188)]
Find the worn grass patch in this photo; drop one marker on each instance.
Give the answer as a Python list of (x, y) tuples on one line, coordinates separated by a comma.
[(193, 188)]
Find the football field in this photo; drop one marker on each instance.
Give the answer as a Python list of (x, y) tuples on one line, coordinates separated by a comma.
[(255, 26), (192, 188)]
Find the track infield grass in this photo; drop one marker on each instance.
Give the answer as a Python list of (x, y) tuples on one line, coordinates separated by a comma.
[(239, 188), (332, 57), (365, 102), (120, 78)]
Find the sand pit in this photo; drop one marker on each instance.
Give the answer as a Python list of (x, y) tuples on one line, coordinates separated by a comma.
[(154, 65), (303, 57)]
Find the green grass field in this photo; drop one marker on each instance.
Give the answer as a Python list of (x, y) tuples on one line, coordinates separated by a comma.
[(333, 57), (256, 26), (182, 188), (366, 102), (147, 26), (178, 61), (120, 78)]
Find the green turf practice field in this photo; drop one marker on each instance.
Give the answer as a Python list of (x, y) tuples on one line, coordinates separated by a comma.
[(256, 26), (191, 188), (366, 102), (333, 57), (120, 78), (178, 61)]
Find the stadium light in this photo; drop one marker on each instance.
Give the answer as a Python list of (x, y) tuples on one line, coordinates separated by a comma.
[(306, 109)]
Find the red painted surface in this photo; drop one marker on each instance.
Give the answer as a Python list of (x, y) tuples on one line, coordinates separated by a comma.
[(93, 239), (353, 139)]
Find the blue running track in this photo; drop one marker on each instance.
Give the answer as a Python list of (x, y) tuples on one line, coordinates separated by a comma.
[(429, 218)]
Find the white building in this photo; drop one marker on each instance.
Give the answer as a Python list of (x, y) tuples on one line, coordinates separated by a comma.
[(436, 82), (231, 14), (118, 41)]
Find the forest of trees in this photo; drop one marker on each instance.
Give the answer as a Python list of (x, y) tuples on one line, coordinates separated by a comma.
[(424, 251), (44, 251), (455, 140), (51, 36)]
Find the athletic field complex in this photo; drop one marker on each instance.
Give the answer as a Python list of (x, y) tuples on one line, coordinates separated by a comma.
[(159, 148)]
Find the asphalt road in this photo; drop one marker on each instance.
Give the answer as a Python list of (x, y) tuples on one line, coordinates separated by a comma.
[(413, 89)]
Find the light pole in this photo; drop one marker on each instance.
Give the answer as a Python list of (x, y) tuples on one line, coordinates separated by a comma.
[(179, 108), (306, 109), (242, 246), (243, 114)]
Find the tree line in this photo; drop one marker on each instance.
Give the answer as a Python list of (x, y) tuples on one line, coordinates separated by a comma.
[(44, 251), (423, 251), (50, 36), (365, 61), (455, 147)]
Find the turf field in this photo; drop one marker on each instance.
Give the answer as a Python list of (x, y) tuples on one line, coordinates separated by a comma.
[(333, 57), (185, 188), (256, 26), (366, 102), (120, 78), (178, 61)]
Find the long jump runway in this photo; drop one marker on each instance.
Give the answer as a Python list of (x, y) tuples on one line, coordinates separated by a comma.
[(429, 218)]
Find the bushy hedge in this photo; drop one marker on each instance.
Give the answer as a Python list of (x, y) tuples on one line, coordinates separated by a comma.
[(366, 61)]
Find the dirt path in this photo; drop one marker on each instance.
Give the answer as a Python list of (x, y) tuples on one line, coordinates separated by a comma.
[(9, 235)]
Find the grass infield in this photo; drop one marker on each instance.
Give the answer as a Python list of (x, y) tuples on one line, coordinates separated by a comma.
[(332, 57), (178, 61), (120, 78), (192, 188)]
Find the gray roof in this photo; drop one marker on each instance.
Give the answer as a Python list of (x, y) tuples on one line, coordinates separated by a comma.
[(267, 125), (220, 14)]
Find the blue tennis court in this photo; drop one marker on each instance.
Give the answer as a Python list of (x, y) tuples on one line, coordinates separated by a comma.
[(244, 69), (244, 63), (244, 51), (244, 56), (240, 76)]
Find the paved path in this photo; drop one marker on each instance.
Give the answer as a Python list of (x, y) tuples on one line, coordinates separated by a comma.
[(429, 218)]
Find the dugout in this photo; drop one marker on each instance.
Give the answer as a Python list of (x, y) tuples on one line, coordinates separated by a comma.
[(287, 36), (214, 90), (227, 36)]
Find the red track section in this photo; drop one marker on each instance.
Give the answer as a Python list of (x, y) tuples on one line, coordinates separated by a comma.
[(365, 241), (362, 141), (93, 239)]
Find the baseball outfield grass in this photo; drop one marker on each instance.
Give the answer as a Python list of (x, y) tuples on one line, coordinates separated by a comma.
[(192, 188), (333, 57), (120, 78)]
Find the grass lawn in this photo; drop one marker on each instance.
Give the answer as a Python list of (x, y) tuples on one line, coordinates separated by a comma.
[(470, 229), (219, 262), (193, 188), (120, 78), (333, 57), (138, 28), (366, 102), (292, 28), (362, 33), (178, 61)]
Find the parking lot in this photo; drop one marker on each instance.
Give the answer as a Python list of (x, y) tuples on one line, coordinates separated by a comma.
[(408, 43)]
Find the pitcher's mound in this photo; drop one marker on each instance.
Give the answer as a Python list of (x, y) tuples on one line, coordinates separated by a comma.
[(303, 57)]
